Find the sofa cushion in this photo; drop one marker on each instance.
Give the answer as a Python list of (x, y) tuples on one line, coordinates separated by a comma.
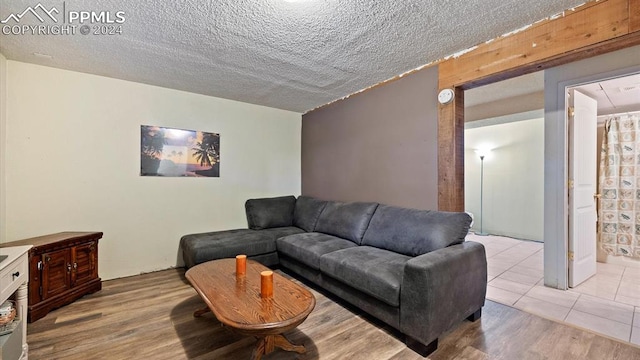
[(199, 248), (307, 248), (306, 212), (415, 232), (268, 213), (346, 220), (375, 272)]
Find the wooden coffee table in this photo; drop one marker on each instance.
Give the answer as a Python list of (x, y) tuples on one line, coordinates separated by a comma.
[(237, 303)]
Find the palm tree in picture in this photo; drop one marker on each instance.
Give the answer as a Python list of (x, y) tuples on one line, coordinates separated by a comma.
[(207, 152), (204, 154), (152, 141), (212, 141)]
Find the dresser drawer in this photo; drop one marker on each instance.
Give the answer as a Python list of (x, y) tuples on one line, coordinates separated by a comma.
[(14, 274)]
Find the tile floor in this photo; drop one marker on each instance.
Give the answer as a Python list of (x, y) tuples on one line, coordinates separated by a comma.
[(608, 303)]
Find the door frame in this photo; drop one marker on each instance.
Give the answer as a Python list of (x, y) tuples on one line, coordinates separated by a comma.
[(556, 218)]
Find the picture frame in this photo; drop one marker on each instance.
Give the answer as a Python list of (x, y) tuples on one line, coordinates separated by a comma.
[(174, 152)]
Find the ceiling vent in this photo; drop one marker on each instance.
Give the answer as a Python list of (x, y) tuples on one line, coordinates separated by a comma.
[(629, 88)]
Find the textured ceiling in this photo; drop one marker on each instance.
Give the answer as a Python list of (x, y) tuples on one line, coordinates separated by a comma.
[(287, 55), (615, 96)]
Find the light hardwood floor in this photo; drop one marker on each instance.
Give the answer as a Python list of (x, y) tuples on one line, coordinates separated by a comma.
[(150, 317)]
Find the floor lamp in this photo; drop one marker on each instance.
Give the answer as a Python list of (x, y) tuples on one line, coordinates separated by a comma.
[(482, 154)]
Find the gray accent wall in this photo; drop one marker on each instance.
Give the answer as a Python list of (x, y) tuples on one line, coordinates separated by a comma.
[(380, 145)]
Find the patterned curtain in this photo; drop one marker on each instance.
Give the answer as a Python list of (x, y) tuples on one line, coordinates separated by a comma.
[(619, 210)]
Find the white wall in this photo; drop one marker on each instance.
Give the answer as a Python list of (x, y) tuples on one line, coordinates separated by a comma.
[(503, 107), (3, 125), (73, 162), (513, 177)]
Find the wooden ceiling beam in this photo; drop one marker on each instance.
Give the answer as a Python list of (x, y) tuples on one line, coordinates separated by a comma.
[(634, 15), (591, 29)]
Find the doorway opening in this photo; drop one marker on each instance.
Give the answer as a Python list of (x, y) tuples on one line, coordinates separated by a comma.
[(504, 157), (556, 178), (488, 111), (556, 81), (616, 181)]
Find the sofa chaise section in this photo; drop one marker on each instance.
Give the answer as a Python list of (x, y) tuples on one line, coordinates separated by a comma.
[(267, 218), (259, 245)]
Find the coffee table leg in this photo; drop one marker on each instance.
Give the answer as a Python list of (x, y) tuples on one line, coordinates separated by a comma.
[(201, 312), (267, 344), (284, 344), (259, 350)]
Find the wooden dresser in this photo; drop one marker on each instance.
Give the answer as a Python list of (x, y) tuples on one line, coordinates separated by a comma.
[(62, 268)]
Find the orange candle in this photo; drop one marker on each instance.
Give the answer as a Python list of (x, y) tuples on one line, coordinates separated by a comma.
[(241, 265), (266, 284)]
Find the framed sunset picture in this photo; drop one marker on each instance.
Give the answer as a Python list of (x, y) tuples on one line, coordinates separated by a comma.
[(178, 153)]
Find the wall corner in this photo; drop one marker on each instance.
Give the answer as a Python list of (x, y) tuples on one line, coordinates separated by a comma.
[(4, 93)]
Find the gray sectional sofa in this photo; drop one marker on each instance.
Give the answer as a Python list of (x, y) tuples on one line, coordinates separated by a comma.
[(411, 269)]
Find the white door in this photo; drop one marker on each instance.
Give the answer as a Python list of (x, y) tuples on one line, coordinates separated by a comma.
[(582, 187)]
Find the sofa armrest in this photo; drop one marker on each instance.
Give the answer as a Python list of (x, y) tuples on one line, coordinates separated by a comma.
[(441, 288)]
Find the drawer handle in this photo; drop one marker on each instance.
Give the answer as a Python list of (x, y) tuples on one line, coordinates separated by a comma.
[(15, 275)]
